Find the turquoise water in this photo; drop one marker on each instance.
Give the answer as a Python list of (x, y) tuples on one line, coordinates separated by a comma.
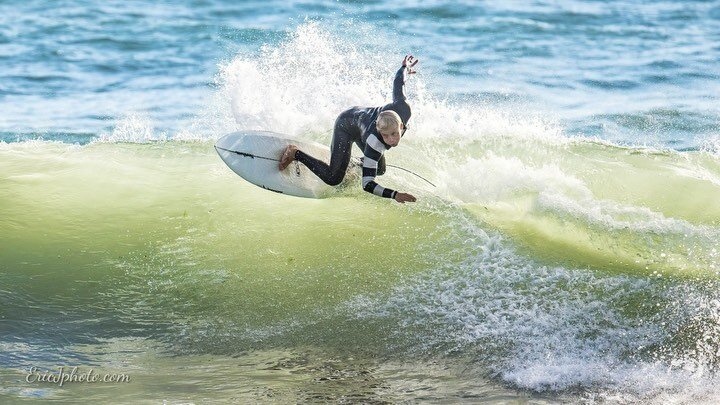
[(568, 253)]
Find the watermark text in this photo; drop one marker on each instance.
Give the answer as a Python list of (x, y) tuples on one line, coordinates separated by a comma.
[(73, 375)]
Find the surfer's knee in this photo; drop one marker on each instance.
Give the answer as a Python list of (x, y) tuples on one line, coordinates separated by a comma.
[(335, 179)]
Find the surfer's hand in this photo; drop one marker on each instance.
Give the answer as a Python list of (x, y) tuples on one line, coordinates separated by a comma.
[(409, 62), (402, 198)]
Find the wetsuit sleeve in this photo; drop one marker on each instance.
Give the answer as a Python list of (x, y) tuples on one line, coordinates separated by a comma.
[(374, 150), (398, 85), (381, 166)]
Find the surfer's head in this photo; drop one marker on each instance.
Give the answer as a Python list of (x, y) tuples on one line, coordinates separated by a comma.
[(390, 127)]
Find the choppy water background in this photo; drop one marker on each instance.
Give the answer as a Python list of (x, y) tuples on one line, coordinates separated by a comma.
[(569, 253), (627, 71)]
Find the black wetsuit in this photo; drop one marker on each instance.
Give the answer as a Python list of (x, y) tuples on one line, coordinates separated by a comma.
[(357, 125)]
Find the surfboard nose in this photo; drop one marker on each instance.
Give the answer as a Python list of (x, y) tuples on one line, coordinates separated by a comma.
[(227, 141)]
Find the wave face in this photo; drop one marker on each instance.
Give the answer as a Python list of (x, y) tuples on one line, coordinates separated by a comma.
[(544, 265), (554, 278)]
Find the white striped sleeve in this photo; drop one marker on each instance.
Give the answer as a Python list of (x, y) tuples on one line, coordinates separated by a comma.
[(373, 151)]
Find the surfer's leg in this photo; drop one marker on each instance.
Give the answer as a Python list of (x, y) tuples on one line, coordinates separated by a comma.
[(340, 150)]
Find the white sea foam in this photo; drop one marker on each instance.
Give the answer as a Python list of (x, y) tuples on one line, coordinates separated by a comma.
[(302, 84), (134, 127), (554, 329), (495, 179)]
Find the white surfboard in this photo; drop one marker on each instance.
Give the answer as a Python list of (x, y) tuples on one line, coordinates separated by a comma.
[(255, 155)]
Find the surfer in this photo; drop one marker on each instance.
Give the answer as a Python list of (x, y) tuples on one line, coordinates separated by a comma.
[(374, 130)]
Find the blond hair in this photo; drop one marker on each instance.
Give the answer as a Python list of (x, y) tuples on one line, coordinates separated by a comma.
[(388, 120)]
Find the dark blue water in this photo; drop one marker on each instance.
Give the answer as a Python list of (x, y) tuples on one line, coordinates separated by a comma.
[(631, 72)]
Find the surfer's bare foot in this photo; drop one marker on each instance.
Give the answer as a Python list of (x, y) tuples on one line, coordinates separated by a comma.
[(288, 156)]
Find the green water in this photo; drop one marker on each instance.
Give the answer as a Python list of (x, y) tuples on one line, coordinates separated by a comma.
[(156, 260)]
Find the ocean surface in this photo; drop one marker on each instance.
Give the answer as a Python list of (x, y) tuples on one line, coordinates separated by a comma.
[(570, 251)]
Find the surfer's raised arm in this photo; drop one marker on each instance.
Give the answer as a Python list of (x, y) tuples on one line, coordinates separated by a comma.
[(399, 83)]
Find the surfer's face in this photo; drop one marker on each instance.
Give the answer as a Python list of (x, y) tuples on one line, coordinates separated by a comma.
[(391, 137)]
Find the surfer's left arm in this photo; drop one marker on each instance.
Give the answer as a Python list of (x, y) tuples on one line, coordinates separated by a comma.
[(399, 83), (373, 151)]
